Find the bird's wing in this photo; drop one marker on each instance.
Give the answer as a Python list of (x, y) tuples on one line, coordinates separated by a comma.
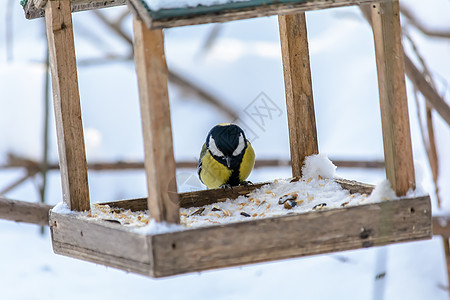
[(202, 153)]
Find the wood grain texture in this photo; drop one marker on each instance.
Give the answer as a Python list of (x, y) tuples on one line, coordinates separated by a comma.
[(66, 100), (22, 211), (35, 8), (220, 14), (152, 78), (101, 242), (393, 102), (39, 3), (291, 236), (260, 240), (298, 86)]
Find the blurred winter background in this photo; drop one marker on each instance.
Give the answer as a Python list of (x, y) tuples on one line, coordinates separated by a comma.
[(217, 72)]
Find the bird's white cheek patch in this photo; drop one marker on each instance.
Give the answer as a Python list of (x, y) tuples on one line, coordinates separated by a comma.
[(213, 148), (240, 147)]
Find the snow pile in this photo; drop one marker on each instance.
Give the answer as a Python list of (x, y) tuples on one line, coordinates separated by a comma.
[(61, 208), (155, 5), (318, 165), (382, 192)]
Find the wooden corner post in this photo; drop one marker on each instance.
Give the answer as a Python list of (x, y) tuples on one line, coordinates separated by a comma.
[(394, 107), (66, 99), (152, 75), (298, 85)]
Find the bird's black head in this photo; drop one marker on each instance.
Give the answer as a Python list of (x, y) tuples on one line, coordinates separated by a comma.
[(226, 141)]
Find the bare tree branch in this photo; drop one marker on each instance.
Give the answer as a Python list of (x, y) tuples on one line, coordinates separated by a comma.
[(430, 143), (115, 26), (416, 77), (414, 21)]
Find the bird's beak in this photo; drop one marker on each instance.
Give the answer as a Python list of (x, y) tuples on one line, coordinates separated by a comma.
[(228, 159)]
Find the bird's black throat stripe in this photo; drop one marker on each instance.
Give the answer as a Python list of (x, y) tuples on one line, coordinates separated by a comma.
[(235, 166)]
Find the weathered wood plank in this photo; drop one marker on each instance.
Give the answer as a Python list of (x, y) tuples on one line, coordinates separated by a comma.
[(22, 211), (298, 86), (66, 99), (152, 78), (393, 102), (35, 8), (167, 18), (39, 3), (291, 236), (101, 242), (260, 240), (205, 197)]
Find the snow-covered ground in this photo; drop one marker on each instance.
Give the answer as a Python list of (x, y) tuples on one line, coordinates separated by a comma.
[(243, 63)]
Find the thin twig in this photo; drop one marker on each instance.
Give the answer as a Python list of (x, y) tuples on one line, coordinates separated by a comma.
[(104, 60), (45, 129), (122, 17), (115, 26), (182, 81), (16, 183), (210, 39), (9, 30)]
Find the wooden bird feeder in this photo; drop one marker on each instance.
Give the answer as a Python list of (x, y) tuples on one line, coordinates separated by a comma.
[(246, 242)]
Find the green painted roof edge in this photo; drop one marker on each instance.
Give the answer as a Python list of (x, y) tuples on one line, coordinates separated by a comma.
[(201, 10)]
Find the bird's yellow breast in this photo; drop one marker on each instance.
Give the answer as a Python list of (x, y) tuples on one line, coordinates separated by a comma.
[(213, 174)]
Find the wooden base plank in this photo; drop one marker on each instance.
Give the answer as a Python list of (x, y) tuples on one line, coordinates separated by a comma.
[(100, 242), (247, 242), (94, 256), (291, 236)]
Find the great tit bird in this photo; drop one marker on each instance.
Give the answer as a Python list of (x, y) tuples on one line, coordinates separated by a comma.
[(227, 157)]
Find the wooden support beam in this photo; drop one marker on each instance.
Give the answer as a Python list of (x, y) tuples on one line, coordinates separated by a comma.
[(66, 99), (298, 85), (152, 78), (22, 211), (393, 102)]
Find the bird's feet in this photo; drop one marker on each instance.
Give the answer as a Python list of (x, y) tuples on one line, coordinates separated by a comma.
[(226, 186), (246, 183)]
